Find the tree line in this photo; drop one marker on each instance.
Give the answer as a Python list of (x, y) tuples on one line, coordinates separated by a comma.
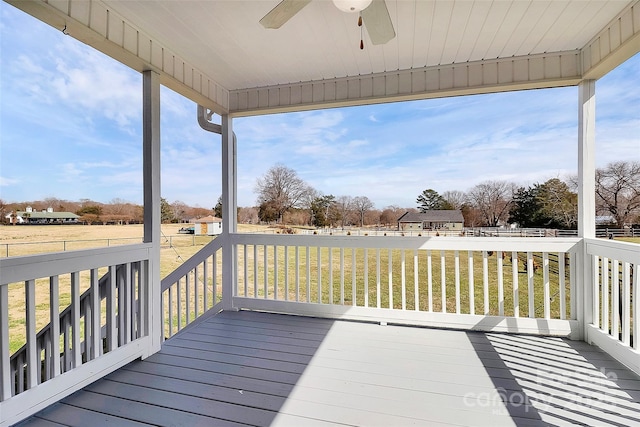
[(283, 197)]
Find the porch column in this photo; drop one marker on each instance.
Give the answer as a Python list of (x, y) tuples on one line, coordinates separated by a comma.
[(586, 159), (152, 220), (229, 211), (586, 198)]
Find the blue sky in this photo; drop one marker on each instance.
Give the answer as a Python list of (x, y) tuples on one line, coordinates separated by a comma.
[(70, 128)]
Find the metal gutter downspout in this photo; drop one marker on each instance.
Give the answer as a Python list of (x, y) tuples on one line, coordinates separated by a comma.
[(229, 201), (203, 121)]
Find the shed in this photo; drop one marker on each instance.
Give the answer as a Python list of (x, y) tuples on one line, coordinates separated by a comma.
[(208, 226)]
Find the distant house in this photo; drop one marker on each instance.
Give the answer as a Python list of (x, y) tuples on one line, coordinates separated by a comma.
[(431, 220), (208, 226), (48, 216)]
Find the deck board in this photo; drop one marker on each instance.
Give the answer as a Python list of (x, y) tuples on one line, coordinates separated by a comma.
[(262, 369)]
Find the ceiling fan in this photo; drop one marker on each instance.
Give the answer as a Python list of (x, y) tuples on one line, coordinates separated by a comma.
[(373, 13)]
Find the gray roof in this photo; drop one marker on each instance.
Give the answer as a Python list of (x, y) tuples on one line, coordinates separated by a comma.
[(433, 216)]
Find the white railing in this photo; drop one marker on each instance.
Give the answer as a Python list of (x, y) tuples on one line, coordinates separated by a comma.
[(498, 284), (192, 289), (614, 325), (85, 335)]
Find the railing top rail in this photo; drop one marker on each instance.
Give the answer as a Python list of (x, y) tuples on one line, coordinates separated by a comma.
[(623, 251), (191, 263), (30, 267), (548, 244)]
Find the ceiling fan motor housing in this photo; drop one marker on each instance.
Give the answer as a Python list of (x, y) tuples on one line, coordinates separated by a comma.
[(352, 5)]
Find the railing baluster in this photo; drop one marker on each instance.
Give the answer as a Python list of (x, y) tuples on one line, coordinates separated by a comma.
[(286, 273), (416, 293), (443, 282), (66, 342), (403, 279), (308, 282), (330, 275), (615, 300), (500, 283), (7, 377), (112, 337), (297, 275), (390, 279), (245, 270), (472, 297), (561, 285), (96, 341), (46, 345), (595, 291), (255, 271), (626, 303), (485, 282), (266, 271), (635, 309), (196, 294), (530, 272), (572, 285), (128, 303), (353, 277), (187, 298), (378, 280), (20, 387), (275, 272), (179, 303), (318, 249), (545, 281), (214, 278), (456, 257), (516, 290), (341, 276), (429, 281), (85, 321), (33, 359), (205, 278), (366, 277), (170, 292), (54, 315), (75, 319)]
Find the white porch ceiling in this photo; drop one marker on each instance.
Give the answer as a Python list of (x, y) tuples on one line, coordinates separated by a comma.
[(217, 53)]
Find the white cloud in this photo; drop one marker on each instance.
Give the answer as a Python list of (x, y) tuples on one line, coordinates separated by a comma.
[(6, 182)]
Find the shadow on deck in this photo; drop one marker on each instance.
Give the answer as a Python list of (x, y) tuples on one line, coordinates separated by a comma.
[(250, 368)]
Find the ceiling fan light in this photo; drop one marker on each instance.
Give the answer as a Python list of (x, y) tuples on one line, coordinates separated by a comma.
[(352, 5)]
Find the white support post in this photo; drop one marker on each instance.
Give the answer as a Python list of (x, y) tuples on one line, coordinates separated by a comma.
[(151, 179), (586, 160), (229, 210), (586, 197)]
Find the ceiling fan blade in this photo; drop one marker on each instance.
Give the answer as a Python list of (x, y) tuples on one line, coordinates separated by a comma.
[(284, 11), (378, 22)]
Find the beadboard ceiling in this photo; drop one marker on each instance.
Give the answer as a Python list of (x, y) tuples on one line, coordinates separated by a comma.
[(218, 51)]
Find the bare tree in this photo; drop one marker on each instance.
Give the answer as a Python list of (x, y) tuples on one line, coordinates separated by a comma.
[(492, 199), (179, 210), (362, 205), (390, 214), (341, 210), (281, 189), (454, 199), (618, 191), (248, 216)]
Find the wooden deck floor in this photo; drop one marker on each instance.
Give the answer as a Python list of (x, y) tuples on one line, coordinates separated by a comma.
[(248, 368)]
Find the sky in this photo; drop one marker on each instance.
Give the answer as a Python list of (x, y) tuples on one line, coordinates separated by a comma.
[(71, 129)]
